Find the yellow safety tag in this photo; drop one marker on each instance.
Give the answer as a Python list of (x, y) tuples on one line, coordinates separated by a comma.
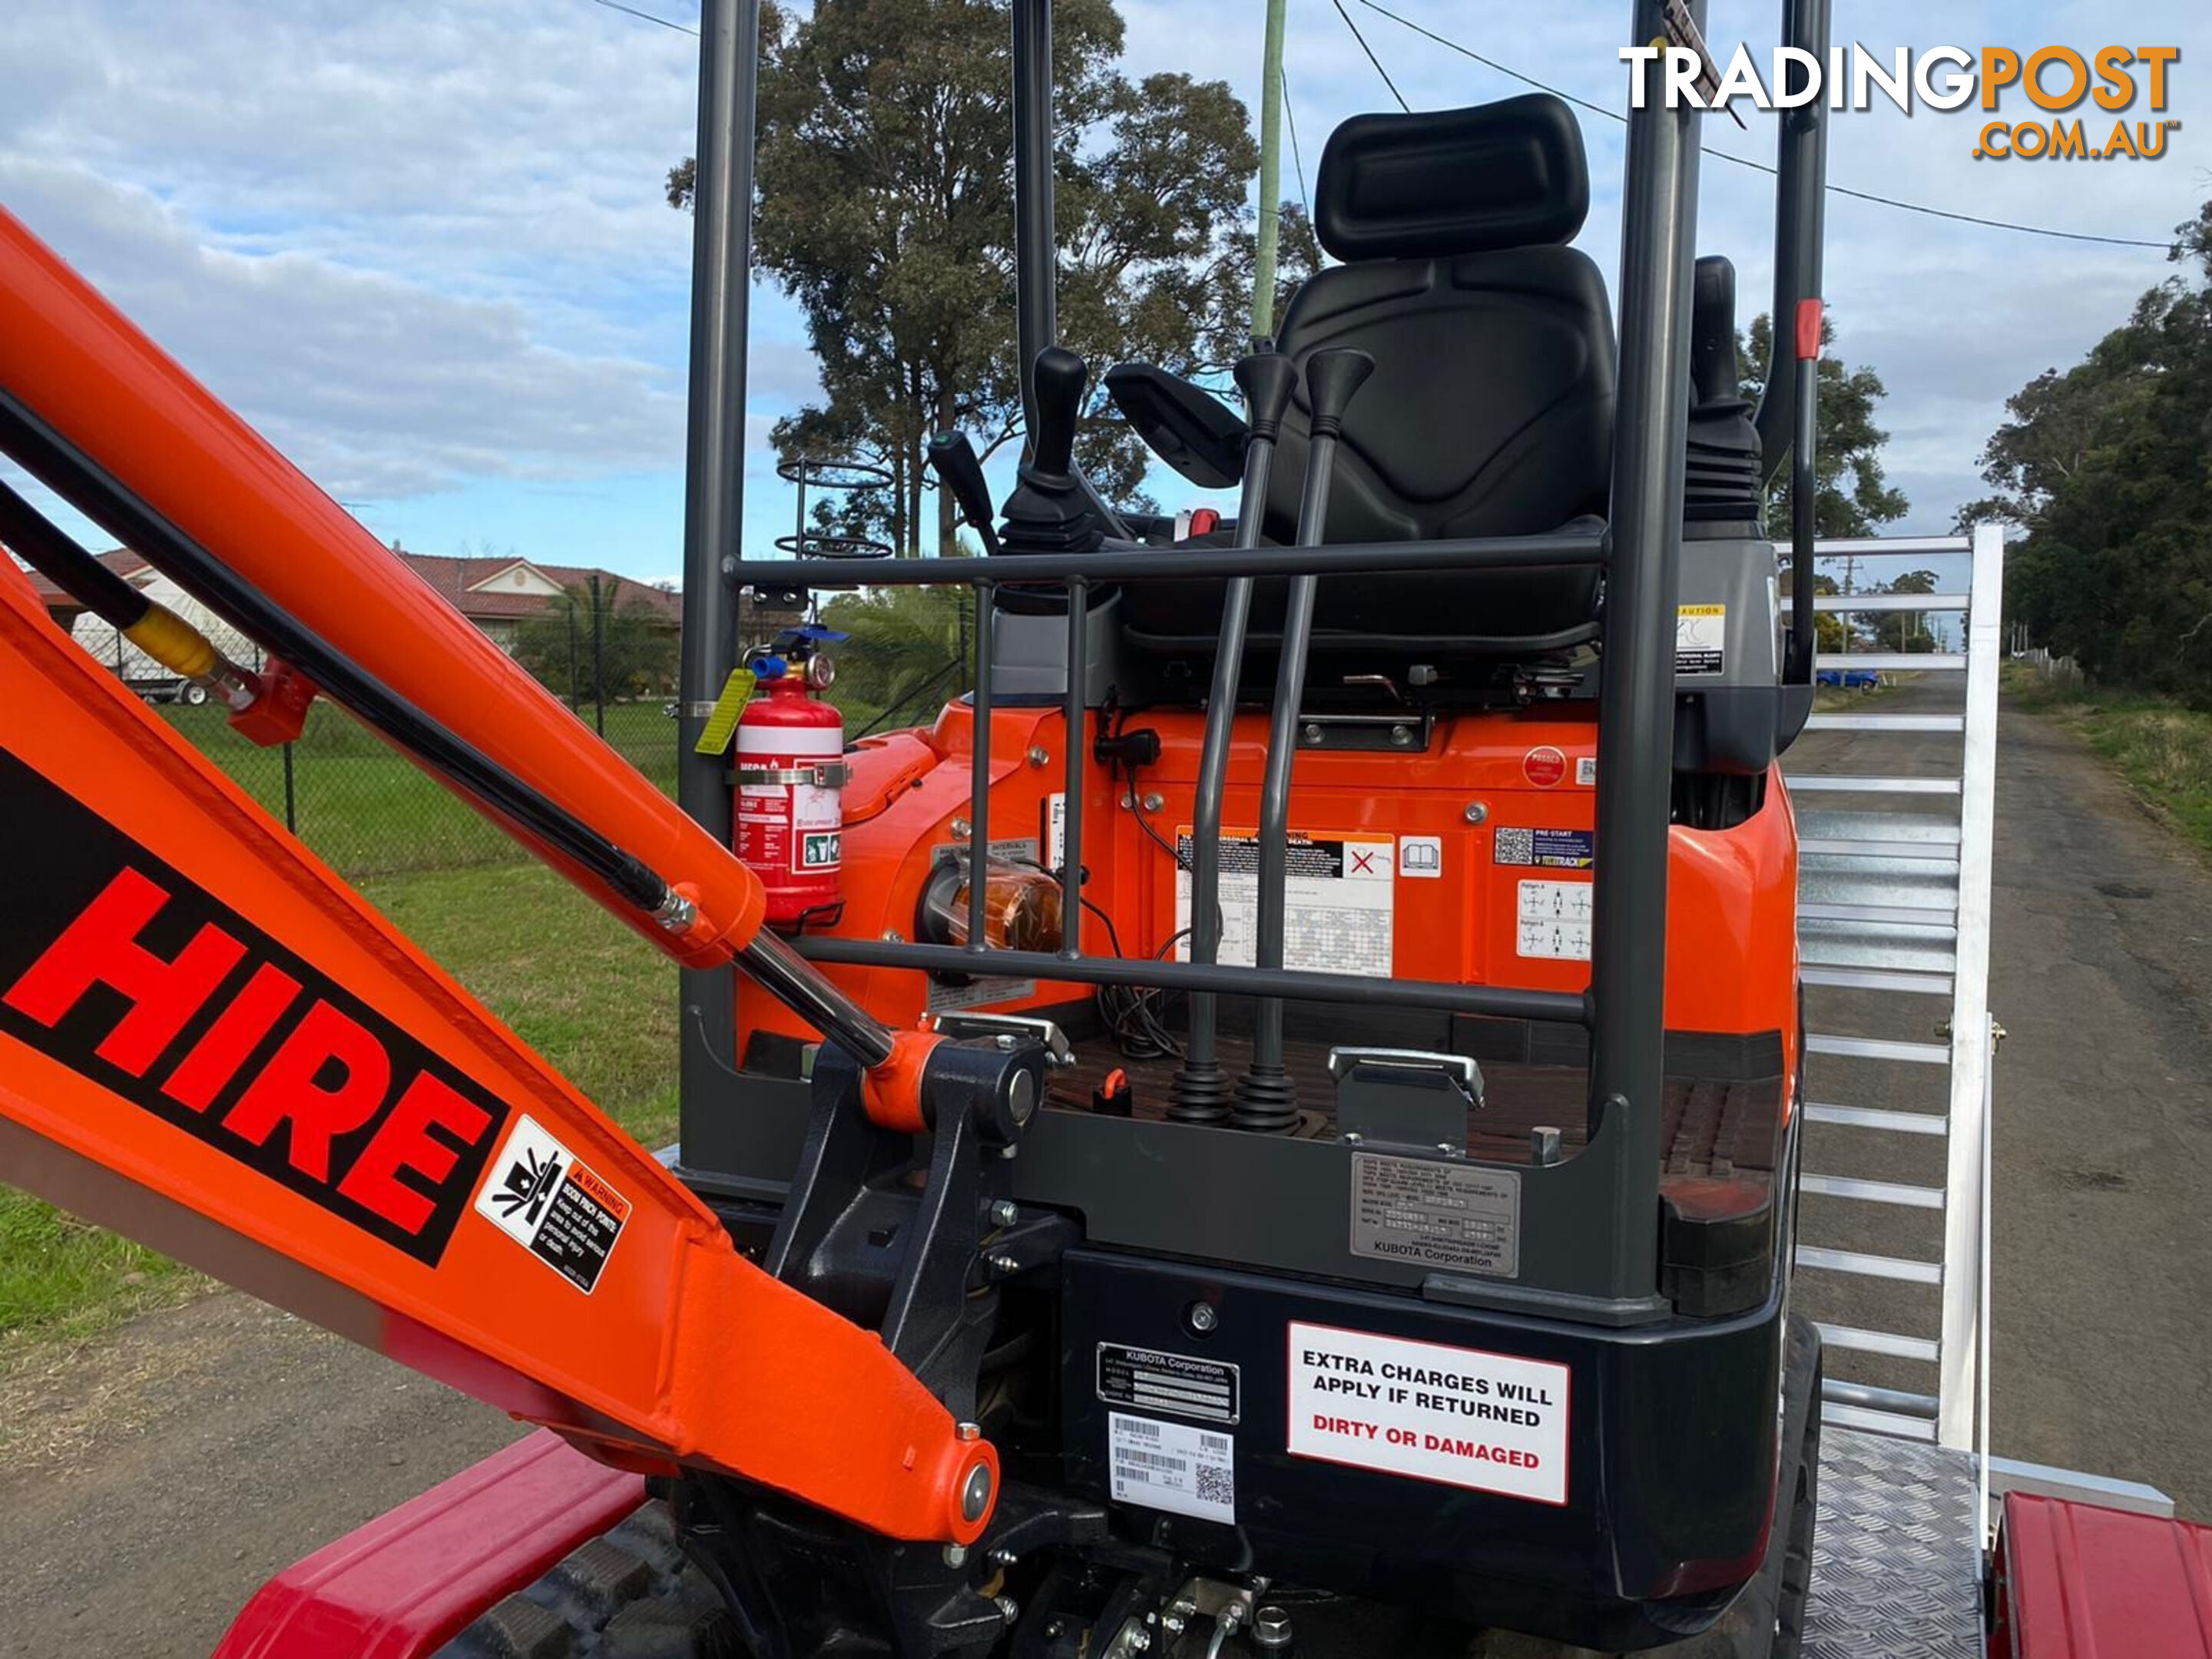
[(722, 724)]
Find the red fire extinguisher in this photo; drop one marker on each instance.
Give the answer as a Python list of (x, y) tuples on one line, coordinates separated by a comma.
[(790, 776)]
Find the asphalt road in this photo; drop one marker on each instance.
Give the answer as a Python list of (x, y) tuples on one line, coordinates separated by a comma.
[(161, 1474)]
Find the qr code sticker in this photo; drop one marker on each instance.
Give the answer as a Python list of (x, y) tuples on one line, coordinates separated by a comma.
[(1514, 847), (1216, 1485)]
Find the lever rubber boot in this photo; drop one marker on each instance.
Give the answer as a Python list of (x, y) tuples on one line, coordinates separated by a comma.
[(1200, 1091), (1050, 511), (1268, 1099)]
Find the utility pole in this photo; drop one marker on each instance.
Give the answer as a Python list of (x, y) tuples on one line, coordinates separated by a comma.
[(1271, 174)]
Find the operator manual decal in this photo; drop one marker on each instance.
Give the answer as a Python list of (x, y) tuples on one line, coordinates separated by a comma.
[(1490, 1422), (1338, 900), (539, 1195), (1155, 1381), (1437, 1214), (1172, 1467)]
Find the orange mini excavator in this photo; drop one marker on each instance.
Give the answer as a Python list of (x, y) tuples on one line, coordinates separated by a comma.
[(1268, 1126)]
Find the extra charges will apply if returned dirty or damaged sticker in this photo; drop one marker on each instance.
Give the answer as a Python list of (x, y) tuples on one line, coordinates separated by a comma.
[(1489, 1422), (1152, 1381), (559, 1209), (1173, 1467), (1437, 1213)]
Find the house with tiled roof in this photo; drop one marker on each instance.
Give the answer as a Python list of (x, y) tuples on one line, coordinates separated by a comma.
[(497, 594)]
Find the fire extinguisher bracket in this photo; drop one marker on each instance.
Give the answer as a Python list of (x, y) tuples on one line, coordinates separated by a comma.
[(831, 775)]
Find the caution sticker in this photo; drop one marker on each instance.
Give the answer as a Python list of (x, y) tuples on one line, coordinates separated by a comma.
[(1490, 1422), (729, 707), (1700, 639), (541, 1197), (1173, 1467)]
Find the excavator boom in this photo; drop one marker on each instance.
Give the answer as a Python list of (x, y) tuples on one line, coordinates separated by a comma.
[(208, 1042)]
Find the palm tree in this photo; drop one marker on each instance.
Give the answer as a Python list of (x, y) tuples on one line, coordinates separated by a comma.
[(909, 650)]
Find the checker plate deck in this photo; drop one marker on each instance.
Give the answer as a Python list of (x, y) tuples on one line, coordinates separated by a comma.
[(1896, 1557)]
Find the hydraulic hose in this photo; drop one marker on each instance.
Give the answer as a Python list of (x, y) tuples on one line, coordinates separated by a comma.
[(24, 438), (154, 628)]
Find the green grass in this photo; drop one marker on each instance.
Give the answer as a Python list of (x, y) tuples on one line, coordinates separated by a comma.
[(2163, 749), (367, 811), (574, 983)]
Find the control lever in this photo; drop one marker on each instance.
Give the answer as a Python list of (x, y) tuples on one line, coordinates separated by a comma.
[(1052, 510), (1268, 1099), (953, 459), (1200, 1091)]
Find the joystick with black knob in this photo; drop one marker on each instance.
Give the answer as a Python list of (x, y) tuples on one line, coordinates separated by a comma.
[(1050, 510)]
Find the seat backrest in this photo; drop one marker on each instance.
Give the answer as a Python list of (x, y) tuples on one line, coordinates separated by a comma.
[(1490, 408)]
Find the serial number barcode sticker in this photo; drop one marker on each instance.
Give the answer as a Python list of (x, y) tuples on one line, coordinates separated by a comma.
[(1173, 1467), (559, 1209)]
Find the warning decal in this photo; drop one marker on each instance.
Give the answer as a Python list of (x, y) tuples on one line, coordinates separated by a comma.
[(1490, 1422), (1171, 1466), (1700, 639), (1158, 1381), (540, 1196), (1338, 901)]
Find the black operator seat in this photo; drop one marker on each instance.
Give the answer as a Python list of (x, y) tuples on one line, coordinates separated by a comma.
[(1490, 408)]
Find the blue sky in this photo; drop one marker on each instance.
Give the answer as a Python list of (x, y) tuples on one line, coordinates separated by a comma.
[(426, 249)]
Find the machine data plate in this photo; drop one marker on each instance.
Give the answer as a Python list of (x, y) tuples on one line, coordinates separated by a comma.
[(1151, 1380), (1437, 1213)]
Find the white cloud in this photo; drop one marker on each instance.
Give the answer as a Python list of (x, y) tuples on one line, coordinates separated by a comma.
[(429, 245), (377, 387)]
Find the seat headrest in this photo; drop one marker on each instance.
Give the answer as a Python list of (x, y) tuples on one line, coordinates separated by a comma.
[(1445, 182)]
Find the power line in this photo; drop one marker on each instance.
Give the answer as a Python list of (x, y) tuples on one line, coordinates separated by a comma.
[(665, 23), (1741, 160), (1371, 58), (1291, 119)]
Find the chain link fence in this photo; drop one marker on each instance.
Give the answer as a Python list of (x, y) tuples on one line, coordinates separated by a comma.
[(359, 804)]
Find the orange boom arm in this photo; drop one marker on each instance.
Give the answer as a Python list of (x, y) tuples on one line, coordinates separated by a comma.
[(208, 1042)]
